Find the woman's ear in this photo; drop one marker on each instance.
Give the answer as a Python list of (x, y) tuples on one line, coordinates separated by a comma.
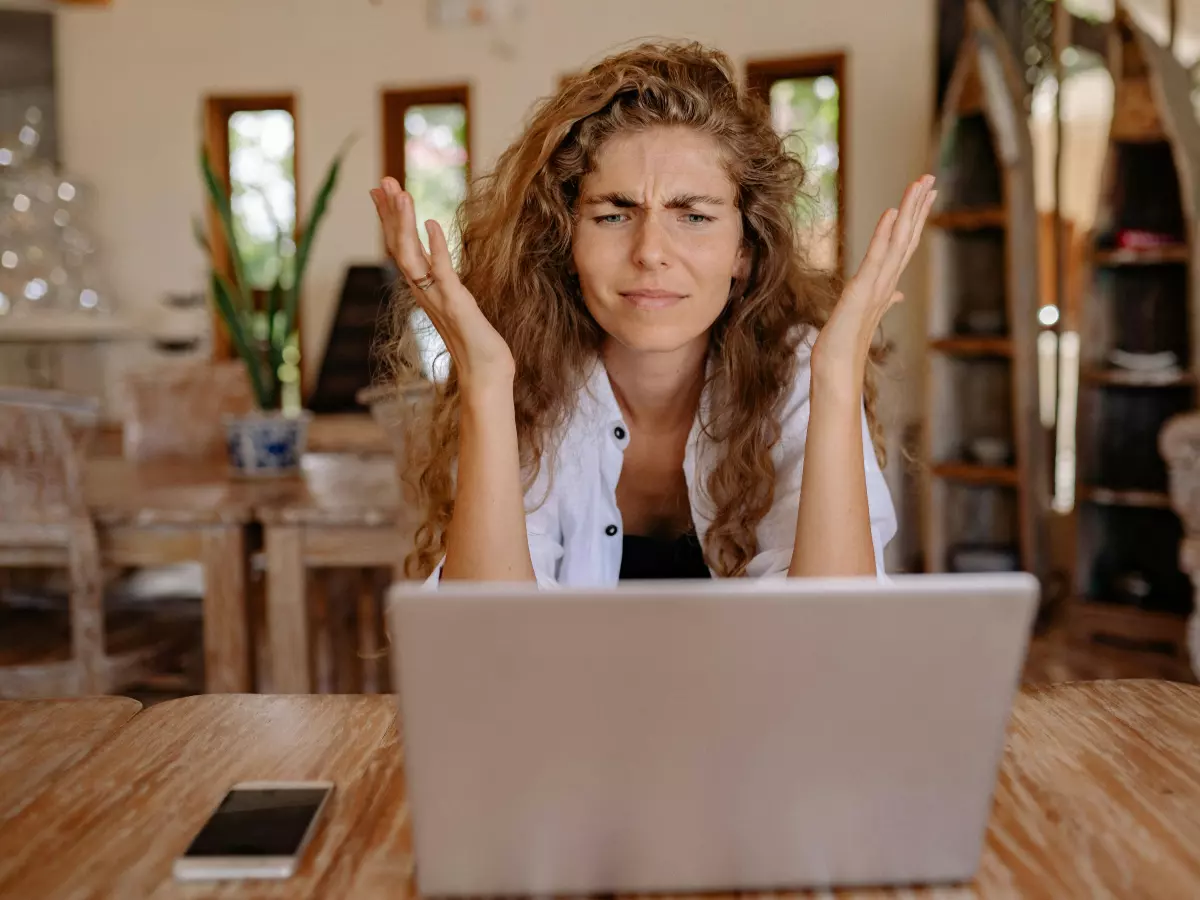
[(741, 263)]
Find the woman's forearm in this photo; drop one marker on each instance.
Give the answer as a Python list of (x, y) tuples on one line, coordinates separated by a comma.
[(486, 538), (833, 526)]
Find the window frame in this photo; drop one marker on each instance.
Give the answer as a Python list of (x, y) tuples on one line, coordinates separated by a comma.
[(761, 74), (395, 102), (218, 109)]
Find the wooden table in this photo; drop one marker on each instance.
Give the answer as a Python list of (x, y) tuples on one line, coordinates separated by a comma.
[(347, 514), (41, 738), (1098, 796), (154, 514)]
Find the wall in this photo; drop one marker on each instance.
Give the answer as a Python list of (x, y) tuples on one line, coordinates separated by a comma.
[(132, 77)]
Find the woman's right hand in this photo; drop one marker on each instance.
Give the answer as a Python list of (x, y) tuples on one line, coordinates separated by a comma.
[(480, 355)]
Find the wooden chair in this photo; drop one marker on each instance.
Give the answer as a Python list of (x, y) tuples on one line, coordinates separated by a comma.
[(44, 523), (177, 411)]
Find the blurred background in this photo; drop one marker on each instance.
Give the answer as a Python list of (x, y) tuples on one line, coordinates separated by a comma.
[(1040, 378)]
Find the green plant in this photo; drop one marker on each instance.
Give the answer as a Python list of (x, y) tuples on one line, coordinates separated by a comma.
[(260, 335)]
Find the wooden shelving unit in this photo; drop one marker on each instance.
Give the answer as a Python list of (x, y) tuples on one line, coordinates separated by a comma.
[(1139, 361), (987, 479)]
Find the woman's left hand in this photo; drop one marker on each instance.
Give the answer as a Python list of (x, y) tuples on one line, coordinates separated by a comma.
[(845, 341)]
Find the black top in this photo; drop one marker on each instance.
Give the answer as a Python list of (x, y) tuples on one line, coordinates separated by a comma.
[(653, 557)]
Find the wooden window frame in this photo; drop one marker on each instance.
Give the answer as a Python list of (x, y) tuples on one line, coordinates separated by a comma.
[(395, 102), (762, 73), (217, 111)]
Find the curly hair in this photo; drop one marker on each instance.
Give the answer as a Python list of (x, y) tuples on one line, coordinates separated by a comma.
[(515, 258)]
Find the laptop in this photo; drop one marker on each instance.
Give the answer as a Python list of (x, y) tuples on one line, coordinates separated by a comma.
[(731, 735)]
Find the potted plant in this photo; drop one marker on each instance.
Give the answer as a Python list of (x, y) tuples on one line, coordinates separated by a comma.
[(271, 440)]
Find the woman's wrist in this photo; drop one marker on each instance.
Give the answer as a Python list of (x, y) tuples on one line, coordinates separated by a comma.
[(838, 376), (481, 392)]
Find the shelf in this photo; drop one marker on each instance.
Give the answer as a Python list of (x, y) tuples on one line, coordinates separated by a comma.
[(973, 346), (976, 474), (1092, 618), (1127, 378), (970, 219), (1103, 496), (1142, 256), (64, 327)]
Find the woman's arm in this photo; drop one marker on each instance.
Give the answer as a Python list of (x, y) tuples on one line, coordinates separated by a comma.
[(486, 539), (833, 526)]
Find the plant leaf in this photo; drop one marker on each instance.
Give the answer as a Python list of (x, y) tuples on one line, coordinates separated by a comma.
[(201, 236), (223, 297), (308, 234), (275, 343), (220, 199)]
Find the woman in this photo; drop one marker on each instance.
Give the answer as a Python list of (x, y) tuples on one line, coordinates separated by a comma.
[(646, 378)]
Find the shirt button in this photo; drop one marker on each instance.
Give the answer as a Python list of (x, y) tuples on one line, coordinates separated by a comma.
[(611, 530), (619, 433)]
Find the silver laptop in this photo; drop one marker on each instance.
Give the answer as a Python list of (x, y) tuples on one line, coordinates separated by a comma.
[(696, 736)]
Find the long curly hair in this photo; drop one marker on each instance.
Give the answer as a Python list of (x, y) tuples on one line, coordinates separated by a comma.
[(515, 258)]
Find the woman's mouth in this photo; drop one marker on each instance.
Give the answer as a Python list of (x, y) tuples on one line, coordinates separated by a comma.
[(652, 298)]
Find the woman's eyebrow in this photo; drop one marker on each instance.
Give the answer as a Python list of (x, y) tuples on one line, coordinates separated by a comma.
[(624, 201)]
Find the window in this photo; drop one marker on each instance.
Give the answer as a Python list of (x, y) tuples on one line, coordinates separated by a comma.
[(807, 98), (252, 143), (426, 147)]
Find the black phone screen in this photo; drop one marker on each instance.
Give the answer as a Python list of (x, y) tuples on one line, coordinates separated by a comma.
[(258, 823)]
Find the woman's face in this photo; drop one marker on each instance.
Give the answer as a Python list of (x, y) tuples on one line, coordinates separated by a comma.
[(657, 238)]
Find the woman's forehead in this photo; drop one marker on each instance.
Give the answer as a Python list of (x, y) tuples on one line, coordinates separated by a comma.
[(660, 160)]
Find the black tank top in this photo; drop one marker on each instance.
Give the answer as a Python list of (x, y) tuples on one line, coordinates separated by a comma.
[(654, 557)]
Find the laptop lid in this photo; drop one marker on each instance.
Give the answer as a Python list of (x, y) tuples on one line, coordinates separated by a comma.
[(728, 735)]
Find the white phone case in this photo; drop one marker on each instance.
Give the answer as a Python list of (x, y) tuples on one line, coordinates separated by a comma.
[(215, 868)]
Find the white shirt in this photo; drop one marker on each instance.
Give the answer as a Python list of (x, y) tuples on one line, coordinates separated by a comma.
[(575, 535)]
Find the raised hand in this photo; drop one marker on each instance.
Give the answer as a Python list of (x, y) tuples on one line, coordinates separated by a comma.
[(481, 357), (846, 337)]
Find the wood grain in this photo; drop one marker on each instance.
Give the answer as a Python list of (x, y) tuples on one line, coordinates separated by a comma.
[(40, 739), (114, 827), (1098, 796)]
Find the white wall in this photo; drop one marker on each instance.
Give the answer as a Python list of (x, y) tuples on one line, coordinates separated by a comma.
[(132, 78)]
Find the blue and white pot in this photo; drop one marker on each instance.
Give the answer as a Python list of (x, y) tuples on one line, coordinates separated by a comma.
[(266, 444)]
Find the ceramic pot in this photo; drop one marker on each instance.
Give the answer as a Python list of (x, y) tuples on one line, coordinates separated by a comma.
[(266, 444)]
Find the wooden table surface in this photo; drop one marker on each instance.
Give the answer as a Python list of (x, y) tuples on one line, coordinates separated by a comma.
[(1098, 796), (120, 491), (336, 489), (41, 738)]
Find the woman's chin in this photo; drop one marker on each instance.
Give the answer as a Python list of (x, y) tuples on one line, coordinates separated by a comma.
[(648, 338)]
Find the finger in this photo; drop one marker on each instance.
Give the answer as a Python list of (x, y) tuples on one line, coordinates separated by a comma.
[(441, 264), (915, 240), (878, 248), (902, 234), (413, 260)]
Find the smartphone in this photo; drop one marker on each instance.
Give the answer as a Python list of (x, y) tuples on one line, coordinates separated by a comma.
[(259, 830)]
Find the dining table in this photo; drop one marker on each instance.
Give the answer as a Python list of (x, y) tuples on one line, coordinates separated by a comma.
[(41, 738), (338, 509), (1097, 796)]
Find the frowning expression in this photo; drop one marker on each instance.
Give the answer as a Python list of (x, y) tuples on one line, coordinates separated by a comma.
[(658, 238)]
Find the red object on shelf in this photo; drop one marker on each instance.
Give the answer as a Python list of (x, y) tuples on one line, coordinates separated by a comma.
[(1135, 239)]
